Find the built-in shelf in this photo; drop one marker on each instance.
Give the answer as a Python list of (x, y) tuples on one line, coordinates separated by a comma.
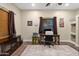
[(73, 38), (72, 33), (73, 28), (74, 22)]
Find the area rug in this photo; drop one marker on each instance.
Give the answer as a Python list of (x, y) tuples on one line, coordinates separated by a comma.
[(57, 50)]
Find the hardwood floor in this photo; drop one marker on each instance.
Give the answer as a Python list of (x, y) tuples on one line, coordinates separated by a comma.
[(19, 50)]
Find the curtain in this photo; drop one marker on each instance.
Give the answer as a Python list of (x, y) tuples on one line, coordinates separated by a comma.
[(40, 27), (54, 22), (12, 30), (55, 25)]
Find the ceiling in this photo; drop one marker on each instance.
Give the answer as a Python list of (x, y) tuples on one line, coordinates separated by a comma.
[(42, 6)]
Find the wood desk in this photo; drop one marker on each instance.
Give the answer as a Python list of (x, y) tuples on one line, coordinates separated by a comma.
[(56, 38)]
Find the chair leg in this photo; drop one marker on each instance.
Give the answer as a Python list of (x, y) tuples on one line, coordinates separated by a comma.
[(52, 44), (49, 46)]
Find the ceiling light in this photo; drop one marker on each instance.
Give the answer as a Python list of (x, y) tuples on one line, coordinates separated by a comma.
[(33, 4), (59, 3), (67, 4)]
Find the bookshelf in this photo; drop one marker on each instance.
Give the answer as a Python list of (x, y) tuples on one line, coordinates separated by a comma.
[(73, 27), (74, 34)]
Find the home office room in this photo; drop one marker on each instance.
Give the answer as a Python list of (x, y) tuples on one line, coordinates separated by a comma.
[(35, 29)]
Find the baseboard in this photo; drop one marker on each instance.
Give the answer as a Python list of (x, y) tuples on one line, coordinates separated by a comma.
[(27, 40), (60, 41), (70, 42), (74, 43)]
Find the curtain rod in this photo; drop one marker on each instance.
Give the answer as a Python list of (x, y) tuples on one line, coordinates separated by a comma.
[(47, 18), (5, 9)]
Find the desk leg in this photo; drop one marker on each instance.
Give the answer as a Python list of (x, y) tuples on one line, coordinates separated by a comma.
[(35, 40), (32, 40), (55, 40), (58, 40), (39, 41)]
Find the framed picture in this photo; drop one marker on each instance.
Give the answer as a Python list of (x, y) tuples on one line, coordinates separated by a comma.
[(61, 22), (29, 23)]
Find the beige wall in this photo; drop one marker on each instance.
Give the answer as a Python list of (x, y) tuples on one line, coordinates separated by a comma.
[(27, 31), (22, 17), (77, 13), (17, 15)]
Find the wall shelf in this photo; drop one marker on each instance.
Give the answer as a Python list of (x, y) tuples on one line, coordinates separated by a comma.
[(73, 27), (74, 34), (73, 38), (73, 22)]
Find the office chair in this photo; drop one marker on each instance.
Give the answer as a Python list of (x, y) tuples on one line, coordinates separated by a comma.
[(48, 37)]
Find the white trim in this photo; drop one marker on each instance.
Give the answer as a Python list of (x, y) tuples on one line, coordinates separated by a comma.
[(27, 40), (64, 40), (70, 42), (60, 41), (74, 43)]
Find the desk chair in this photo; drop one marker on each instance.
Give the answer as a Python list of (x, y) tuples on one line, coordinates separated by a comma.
[(48, 40), (48, 37)]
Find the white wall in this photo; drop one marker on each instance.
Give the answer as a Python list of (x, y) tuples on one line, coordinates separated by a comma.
[(27, 31), (77, 13), (17, 16)]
